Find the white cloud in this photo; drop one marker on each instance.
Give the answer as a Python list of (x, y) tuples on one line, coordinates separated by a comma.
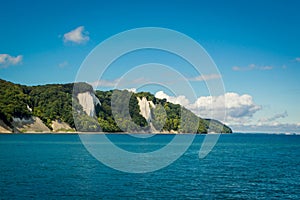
[(297, 59), (182, 100), (252, 67), (273, 118), (63, 64), (131, 90), (239, 108), (77, 35), (267, 67), (206, 77), (7, 60)]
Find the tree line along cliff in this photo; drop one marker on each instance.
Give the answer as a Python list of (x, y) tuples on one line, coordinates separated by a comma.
[(60, 103)]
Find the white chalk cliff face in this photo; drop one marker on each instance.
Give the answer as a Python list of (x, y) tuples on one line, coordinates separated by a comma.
[(145, 109), (88, 101)]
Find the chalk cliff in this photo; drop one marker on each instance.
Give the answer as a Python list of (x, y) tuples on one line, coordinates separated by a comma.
[(88, 101)]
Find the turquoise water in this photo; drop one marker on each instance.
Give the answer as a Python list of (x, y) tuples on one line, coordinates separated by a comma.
[(246, 166)]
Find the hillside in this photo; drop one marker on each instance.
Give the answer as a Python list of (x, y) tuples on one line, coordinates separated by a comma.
[(49, 108)]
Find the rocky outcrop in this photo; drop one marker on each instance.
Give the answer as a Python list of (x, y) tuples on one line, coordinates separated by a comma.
[(31, 124), (88, 101), (59, 126), (34, 125), (4, 128)]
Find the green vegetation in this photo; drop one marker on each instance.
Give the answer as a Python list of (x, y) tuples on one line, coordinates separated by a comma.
[(114, 117), (13, 102), (54, 102)]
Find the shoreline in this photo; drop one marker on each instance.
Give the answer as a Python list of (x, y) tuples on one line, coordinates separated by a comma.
[(101, 133), (126, 133)]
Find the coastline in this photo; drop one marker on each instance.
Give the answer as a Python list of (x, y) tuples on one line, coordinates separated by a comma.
[(159, 133), (100, 133)]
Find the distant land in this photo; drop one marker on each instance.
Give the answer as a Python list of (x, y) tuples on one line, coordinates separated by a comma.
[(50, 109)]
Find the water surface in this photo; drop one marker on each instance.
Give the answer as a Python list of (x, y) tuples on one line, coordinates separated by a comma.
[(244, 166)]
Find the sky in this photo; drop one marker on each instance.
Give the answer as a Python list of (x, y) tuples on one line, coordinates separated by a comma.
[(254, 44)]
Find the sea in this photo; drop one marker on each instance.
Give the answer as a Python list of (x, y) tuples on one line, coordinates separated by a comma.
[(240, 166)]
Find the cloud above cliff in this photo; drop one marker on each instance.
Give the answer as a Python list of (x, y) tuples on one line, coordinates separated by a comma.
[(131, 90), (182, 100), (7, 60), (78, 36), (239, 108)]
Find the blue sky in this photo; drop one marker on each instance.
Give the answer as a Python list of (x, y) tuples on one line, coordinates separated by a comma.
[(255, 45)]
